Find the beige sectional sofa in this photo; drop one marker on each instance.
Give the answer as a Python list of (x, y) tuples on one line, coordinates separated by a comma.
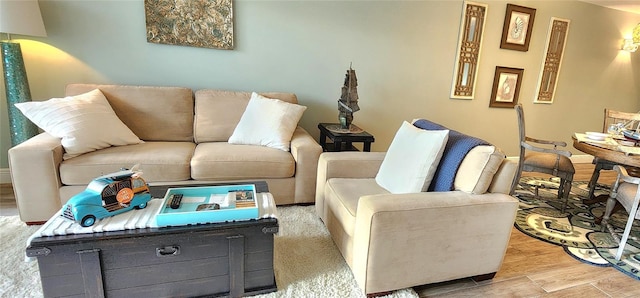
[(394, 241), (185, 136)]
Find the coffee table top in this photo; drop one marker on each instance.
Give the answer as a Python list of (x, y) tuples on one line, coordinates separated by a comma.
[(157, 191)]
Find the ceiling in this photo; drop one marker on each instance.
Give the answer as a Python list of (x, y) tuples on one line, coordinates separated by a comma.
[(629, 6)]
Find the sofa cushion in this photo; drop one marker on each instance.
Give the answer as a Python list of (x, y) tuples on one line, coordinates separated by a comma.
[(84, 122), (224, 161), (267, 122), (342, 195), (217, 112), (159, 161), (478, 168), (412, 159), (152, 113)]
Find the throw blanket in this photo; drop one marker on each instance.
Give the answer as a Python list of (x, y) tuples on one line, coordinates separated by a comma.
[(455, 150)]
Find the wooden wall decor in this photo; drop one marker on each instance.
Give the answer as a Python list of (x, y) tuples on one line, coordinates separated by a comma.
[(196, 23), (554, 52), (468, 52)]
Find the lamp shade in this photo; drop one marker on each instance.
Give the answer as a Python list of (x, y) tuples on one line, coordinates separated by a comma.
[(636, 34), (21, 17)]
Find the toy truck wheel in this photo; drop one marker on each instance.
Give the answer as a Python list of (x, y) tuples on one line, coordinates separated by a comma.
[(88, 221), (141, 206)]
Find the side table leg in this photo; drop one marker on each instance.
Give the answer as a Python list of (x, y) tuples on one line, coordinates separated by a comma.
[(323, 141), (367, 147)]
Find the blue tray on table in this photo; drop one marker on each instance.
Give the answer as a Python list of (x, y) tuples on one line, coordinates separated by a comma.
[(209, 204)]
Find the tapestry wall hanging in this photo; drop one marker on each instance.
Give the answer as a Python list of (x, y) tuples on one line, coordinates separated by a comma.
[(196, 23)]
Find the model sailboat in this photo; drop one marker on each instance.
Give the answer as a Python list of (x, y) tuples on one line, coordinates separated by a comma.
[(348, 102)]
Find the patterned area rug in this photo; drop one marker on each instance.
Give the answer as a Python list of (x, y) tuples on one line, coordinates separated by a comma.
[(540, 216)]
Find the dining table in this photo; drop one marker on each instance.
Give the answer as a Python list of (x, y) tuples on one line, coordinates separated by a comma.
[(609, 149), (616, 149)]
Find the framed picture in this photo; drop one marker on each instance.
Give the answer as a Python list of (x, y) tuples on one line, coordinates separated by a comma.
[(517, 28), (506, 87)]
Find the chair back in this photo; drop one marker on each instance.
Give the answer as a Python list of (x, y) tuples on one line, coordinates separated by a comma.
[(521, 128), (625, 119)]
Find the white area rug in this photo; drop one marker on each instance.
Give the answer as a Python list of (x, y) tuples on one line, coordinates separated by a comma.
[(307, 263)]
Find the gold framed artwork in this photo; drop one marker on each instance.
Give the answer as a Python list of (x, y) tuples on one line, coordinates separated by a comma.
[(468, 51), (506, 87), (517, 28), (196, 23), (554, 53)]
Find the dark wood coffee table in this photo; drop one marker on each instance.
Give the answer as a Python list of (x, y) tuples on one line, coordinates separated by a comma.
[(224, 259)]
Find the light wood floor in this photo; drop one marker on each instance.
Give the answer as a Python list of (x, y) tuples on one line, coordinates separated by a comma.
[(531, 268)]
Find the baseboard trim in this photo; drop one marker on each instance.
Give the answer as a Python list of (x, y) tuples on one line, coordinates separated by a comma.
[(5, 176), (583, 158)]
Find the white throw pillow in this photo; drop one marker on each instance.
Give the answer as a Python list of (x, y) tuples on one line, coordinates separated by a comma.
[(84, 122), (267, 122), (412, 159)]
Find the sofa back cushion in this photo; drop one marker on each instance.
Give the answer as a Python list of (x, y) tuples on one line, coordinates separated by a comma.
[(217, 112), (152, 113)]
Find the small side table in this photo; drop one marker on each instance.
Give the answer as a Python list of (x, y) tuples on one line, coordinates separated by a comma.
[(343, 141)]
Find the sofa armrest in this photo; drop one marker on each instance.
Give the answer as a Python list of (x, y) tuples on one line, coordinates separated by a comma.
[(305, 151), (34, 166), (454, 229)]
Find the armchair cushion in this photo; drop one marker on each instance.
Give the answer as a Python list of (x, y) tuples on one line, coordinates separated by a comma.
[(412, 159), (84, 122), (267, 122)]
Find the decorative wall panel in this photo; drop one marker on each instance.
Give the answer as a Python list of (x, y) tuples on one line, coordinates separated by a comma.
[(197, 23)]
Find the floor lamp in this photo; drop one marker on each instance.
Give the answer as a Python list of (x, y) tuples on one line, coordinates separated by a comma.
[(23, 18)]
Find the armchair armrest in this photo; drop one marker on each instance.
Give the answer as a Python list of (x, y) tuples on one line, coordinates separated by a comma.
[(349, 164), (547, 150), (624, 175), (546, 142), (35, 176), (305, 151), (454, 228)]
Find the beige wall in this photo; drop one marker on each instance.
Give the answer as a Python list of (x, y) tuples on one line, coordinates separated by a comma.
[(403, 53)]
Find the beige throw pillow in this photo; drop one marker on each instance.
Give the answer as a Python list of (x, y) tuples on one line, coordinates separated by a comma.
[(267, 122), (478, 168), (84, 122)]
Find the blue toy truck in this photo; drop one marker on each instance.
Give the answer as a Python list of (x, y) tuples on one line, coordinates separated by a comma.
[(106, 196)]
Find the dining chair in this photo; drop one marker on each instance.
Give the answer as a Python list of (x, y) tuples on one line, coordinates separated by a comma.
[(547, 159), (621, 120), (626, 191)]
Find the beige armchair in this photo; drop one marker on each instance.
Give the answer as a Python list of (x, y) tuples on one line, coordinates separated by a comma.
[(395, 241)]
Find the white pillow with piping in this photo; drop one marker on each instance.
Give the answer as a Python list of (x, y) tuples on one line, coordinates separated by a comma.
[(267, 122), (412, 159), (84, 122)]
